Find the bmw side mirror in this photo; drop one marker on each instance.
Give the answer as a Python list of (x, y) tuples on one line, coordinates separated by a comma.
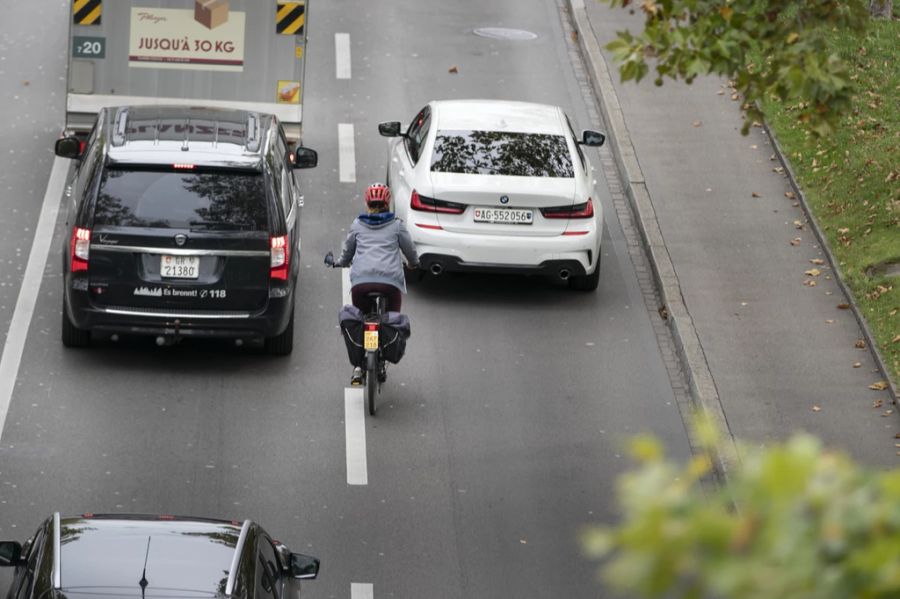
[(305, 158), (390, 129), (68, 147), (592, 138), (10, 553), (304, 567)]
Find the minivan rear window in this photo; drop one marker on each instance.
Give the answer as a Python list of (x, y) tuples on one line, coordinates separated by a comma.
[(214, 200), (501, 153)]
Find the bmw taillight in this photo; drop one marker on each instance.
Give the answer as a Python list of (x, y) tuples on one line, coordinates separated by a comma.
[(80, 249), (585, 210), (425, 204), (280, 257)]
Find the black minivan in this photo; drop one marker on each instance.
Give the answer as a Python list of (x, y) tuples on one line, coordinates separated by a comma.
[(182, 222)]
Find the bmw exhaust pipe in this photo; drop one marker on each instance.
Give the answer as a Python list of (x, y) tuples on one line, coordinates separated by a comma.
[(436, 268), (564, 274)]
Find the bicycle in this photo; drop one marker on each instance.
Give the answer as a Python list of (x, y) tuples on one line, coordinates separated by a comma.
[(375, 371)]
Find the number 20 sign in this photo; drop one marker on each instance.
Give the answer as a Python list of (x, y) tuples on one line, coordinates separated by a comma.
[(88, 47)]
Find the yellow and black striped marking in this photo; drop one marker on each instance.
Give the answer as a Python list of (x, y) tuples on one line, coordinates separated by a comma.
[(86, 12), (290, 17)]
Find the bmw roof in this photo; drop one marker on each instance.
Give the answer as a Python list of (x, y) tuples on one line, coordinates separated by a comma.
[(498, 115)]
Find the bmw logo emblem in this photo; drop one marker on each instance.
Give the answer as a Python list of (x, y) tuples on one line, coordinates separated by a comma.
[(180, 239), (504, 199)]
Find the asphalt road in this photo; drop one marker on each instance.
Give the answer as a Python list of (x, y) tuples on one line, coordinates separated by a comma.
[(498, 436)]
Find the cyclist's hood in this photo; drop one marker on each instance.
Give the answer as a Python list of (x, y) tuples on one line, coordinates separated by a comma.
[(376, 220)]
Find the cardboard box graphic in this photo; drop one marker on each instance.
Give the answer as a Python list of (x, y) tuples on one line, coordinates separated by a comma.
[(211, 13)]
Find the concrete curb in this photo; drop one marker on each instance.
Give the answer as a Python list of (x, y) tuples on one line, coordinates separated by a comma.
[(833, 263), (704, 394)]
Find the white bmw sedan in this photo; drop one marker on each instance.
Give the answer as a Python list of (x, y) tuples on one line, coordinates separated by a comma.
[(497, 186)]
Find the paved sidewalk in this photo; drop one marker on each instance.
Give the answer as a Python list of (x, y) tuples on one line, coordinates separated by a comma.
[(780, 352)]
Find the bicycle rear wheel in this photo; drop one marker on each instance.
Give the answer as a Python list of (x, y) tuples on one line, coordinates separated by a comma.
[(371, 381)]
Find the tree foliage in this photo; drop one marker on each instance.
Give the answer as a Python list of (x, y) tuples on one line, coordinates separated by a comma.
[(766, 47), (794, 522)]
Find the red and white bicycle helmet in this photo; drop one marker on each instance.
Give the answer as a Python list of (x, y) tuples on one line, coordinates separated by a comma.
[(378, 194)]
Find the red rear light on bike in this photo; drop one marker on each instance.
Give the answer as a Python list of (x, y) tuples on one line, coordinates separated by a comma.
[(425, 204), (371, 326), (280, 258), (80, 249), (585, 210)]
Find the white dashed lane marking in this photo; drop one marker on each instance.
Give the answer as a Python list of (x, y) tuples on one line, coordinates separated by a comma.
[(359, 590), (355, 432), (346, 153), (342, 55), (31, 286)]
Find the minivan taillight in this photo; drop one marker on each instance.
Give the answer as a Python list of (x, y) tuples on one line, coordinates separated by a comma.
[(585, 210), (280, 257), (80, 249), (419, 202)]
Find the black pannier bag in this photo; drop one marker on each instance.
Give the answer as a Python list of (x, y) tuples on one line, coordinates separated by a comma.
[(395, 331), (351, 320)]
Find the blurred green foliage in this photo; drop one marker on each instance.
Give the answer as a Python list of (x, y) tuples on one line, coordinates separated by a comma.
[(686, 38), (795, 521)]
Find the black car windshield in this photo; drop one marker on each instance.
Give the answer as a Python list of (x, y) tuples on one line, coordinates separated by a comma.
[(207, 200), (501, 153)]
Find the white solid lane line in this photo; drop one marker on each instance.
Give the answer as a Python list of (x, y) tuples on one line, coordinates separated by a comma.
[(342, 55), (31, 286), (360, 590), (346, 153), (355, 433)]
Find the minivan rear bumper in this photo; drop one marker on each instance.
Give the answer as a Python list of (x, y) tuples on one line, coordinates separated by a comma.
[(269, 322)]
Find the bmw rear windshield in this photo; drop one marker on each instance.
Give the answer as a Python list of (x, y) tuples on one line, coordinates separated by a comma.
[(501, 153), (182, 199)]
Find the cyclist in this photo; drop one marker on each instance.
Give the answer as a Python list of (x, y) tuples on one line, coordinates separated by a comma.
[(372, 250)]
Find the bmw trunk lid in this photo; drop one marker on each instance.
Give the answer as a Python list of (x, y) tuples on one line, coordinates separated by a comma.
[(500, 204)]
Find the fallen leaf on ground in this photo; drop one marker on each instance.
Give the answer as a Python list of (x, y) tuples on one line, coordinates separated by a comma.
[(843, 230), (697, 123), (753, 146), (857, 364), (754, 195), (790, 195), (735, 97), (843, 306), (721, 92), (896, 339), (795, 241), (860, 344), (816, 409), (877, 403), (887, 413), (453, 69), (830, 321), (26, 83), (798, 224), (809, 283), (813, 272), (879, 386), (817, 261)]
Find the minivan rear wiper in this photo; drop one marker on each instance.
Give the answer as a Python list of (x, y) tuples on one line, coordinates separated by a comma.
[(216, 224)]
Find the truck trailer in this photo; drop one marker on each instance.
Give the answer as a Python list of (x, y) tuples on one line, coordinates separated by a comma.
[(245, 54)]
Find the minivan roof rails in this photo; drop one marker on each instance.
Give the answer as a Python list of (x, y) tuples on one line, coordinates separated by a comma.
[(253, 132), (120, 127)]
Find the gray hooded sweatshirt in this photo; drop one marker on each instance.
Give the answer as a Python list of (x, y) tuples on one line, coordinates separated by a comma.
[(371, 250)]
